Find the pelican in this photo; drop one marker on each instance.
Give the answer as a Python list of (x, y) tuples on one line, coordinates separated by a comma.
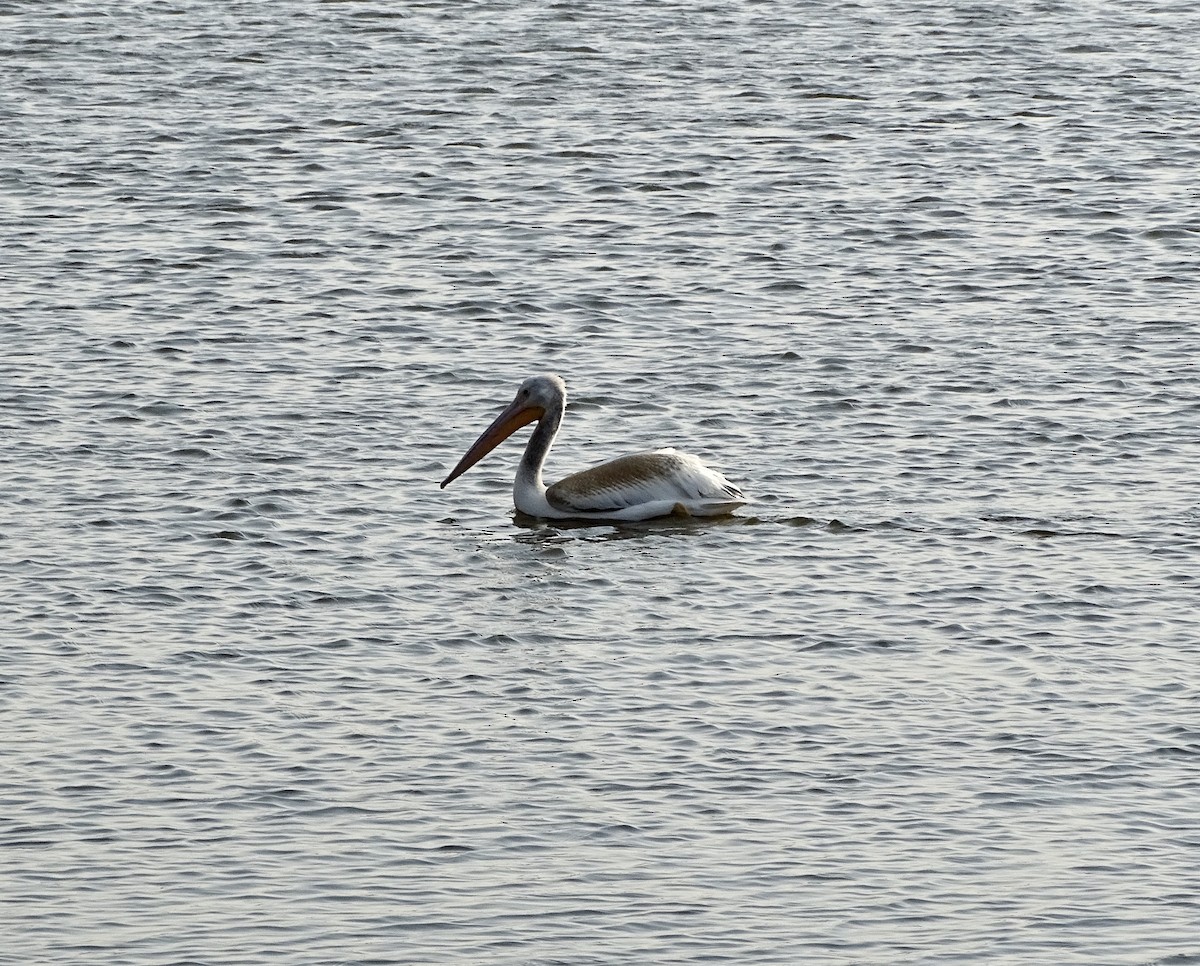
[(660, 483)]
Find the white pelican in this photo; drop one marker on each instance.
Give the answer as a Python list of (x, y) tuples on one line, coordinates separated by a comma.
[(639, 487)]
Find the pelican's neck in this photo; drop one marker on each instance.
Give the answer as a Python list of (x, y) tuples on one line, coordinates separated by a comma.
[(529, 473)]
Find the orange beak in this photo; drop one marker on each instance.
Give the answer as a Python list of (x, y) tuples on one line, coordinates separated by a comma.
[(507, 423)]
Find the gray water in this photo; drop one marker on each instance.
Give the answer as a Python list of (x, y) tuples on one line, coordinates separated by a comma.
[(920, 277)]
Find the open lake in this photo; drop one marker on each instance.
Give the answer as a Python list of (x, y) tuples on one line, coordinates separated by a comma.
[(920, 277)]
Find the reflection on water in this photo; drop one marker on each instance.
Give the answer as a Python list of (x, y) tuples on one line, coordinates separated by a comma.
[(535, 530)]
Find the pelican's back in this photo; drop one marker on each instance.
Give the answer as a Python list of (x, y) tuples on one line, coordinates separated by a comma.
[(646, 478)]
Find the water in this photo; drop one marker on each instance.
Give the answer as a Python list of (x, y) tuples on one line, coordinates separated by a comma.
[(920, 278)]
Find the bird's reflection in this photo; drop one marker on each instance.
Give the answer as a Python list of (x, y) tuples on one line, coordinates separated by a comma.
[(535, 530)]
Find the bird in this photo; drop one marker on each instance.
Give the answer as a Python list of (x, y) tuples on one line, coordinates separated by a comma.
[(663, 482)]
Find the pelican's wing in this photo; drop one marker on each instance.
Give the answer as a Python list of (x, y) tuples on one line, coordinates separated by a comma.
[(643, 478)]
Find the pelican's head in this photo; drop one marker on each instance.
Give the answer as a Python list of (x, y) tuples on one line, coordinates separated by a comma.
[(537, 396), (546, 390)]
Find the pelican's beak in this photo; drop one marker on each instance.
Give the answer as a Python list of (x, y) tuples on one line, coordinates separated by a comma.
[(518, 414)]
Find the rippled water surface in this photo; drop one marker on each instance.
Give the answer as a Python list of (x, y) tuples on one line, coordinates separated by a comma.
[(921, 277)]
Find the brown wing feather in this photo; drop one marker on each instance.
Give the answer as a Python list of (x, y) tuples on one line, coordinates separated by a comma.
[(630, 480)]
